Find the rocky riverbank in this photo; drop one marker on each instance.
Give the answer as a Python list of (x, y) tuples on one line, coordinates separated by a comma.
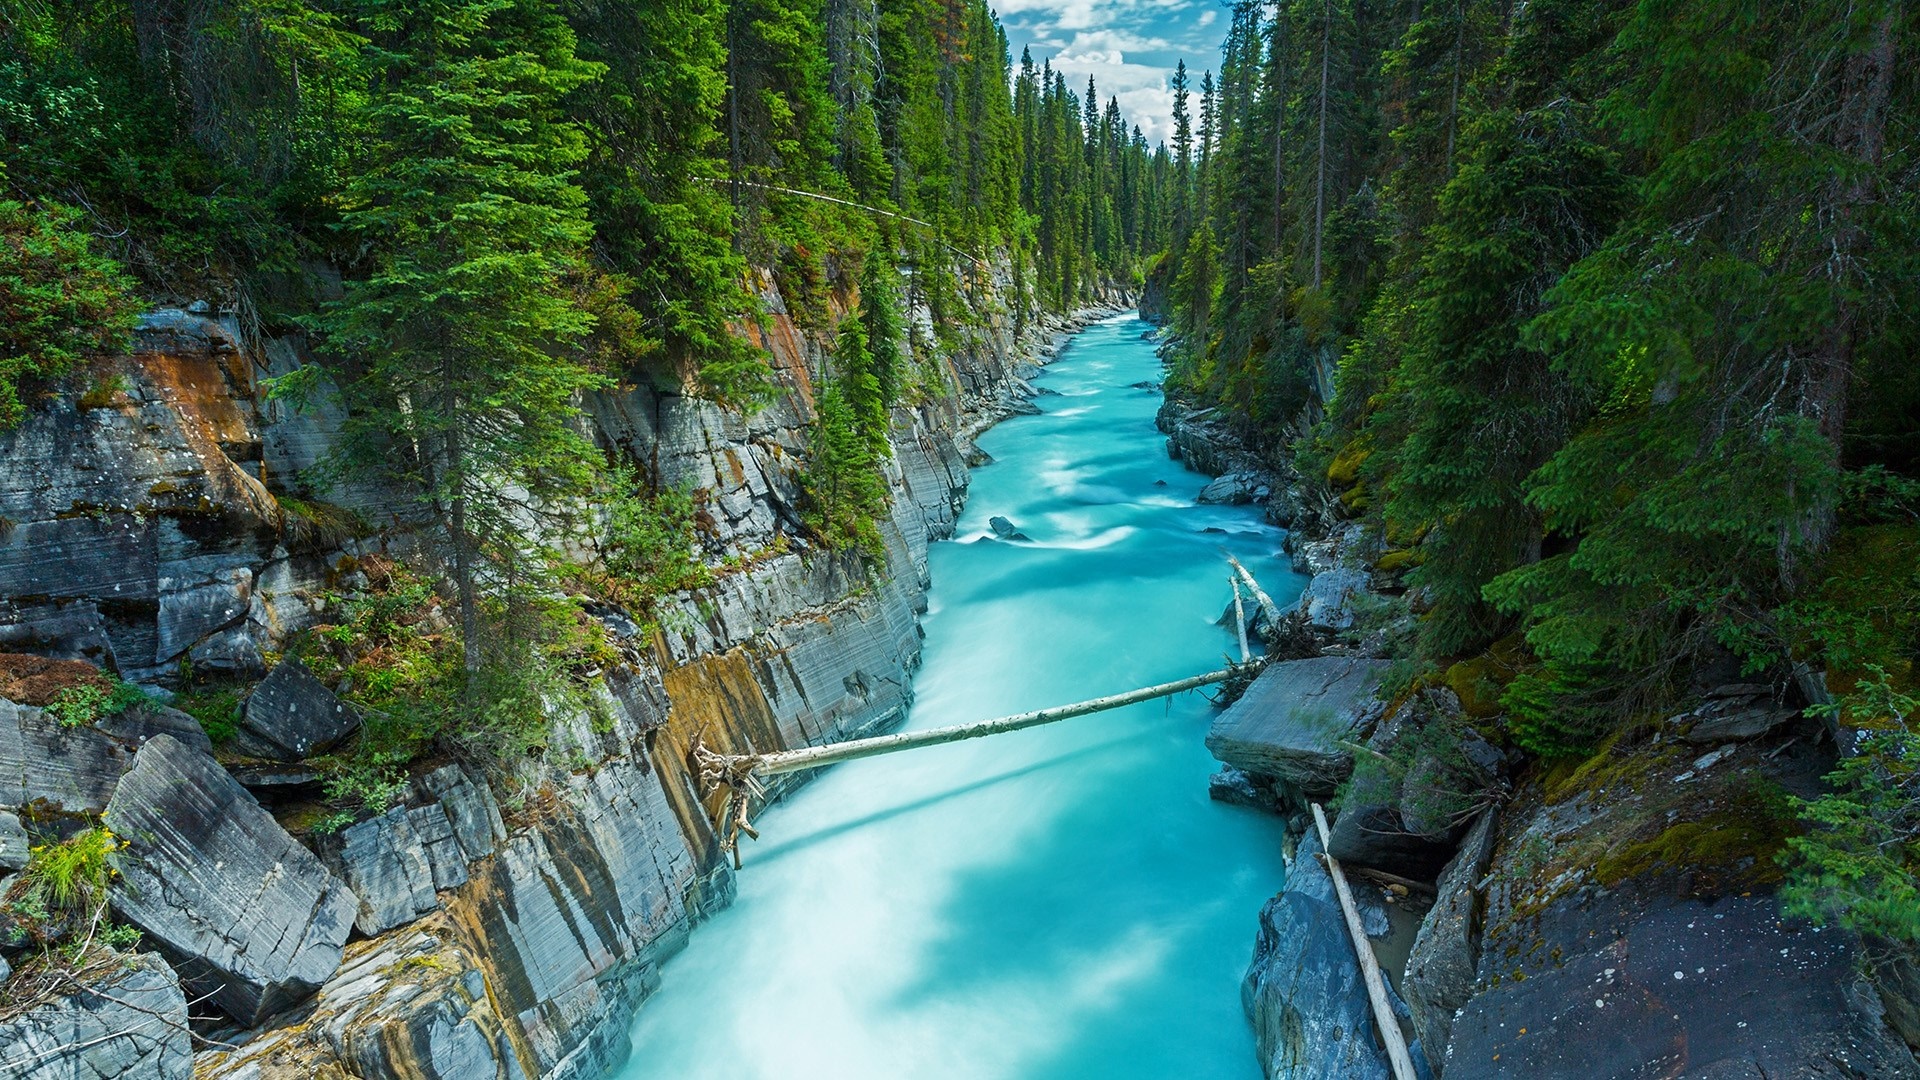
[(1610, 917), (486, 924)]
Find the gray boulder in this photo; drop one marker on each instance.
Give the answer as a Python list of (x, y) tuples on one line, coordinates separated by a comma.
[(147, 719), (1233, 489), (1290, 723), (292, 715), (1328, 598), (1379, 836), (250, 919), (131, 1025), (1304, 992), (1726, 718), (72, 768), (1440, 967)]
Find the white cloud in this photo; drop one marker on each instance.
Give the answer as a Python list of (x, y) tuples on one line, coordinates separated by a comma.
[(1128, 46)]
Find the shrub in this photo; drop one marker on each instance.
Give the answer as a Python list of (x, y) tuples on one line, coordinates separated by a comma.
[(85, 703), (1856, 865), (63, 302)]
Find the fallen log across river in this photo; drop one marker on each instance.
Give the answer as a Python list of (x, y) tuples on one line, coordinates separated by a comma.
[(741, 774)]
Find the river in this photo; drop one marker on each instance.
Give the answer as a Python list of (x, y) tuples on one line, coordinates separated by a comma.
[(1054, 903)]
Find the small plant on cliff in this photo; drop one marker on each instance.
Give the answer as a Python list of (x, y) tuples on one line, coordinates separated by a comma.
[(63, 301), (1857, 864), (650, 542), (87, 702)]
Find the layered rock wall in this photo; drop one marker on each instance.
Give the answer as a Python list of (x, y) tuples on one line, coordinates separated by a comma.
[(504, 931)]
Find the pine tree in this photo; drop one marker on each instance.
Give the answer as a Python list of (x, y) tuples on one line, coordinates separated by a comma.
[(464, 331)]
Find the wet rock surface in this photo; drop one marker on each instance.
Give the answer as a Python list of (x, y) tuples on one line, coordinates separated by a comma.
[(1304, 992), (251, 919)]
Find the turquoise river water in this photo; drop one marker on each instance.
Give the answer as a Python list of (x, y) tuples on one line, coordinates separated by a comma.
[(1063, 902)]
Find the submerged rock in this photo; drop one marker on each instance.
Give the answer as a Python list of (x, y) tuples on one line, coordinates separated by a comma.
[(1291, 722), (292, 715), (251, 920), (130, 1025)]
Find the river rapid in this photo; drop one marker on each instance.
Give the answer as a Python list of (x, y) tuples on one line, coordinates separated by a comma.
[(1063, 902)]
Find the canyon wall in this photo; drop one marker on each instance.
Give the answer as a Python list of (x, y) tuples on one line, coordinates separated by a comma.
[(502, 927)]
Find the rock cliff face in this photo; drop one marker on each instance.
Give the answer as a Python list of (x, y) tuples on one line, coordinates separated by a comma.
[(1613, 920), (494, 933)]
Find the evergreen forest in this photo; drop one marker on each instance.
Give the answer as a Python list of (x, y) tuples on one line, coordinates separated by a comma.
[(1604, 313)]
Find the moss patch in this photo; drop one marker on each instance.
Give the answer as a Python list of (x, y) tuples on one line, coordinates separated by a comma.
[(1344, 470), (1481, 680), (1732, 848), (1396, 561)]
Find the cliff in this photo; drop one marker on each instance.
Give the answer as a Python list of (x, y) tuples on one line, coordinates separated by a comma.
[(502, 927), (1608, 917)]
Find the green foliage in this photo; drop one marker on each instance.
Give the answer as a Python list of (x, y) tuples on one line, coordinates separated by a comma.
[(1856, 865), (650, 542), (64, 301), (74, 875), (394, 655), (87, 702), (846, 495)]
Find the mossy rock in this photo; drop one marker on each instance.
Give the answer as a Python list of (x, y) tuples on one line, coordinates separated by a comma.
[(1344, 471), (1732, 849), (1395, 561), (1356, 500)]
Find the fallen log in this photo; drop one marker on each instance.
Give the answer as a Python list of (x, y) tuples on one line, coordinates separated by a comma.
[(1383, 1018), (1266, 603), (813, 757)]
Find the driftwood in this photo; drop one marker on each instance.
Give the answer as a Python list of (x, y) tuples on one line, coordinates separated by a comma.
[(1383, 1017), (1259, 594), (1240, 619)]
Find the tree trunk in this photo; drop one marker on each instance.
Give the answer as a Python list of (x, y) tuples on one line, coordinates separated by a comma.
[(1320, 184)]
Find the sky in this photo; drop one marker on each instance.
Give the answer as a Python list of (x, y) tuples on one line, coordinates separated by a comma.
[(1128, 46)]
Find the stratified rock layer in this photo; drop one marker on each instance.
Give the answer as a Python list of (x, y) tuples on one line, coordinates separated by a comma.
[(250, 919), (129, 1025)]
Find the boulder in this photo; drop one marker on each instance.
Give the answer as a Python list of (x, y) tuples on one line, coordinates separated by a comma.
[(1440, 966), (1328, 598), (1291, 722), (130, 1025), (250, 919), (292, 715), (70, 769), (1379, 836), (141, 722), (1304, 991), (1727, 718), (1233, 489)]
